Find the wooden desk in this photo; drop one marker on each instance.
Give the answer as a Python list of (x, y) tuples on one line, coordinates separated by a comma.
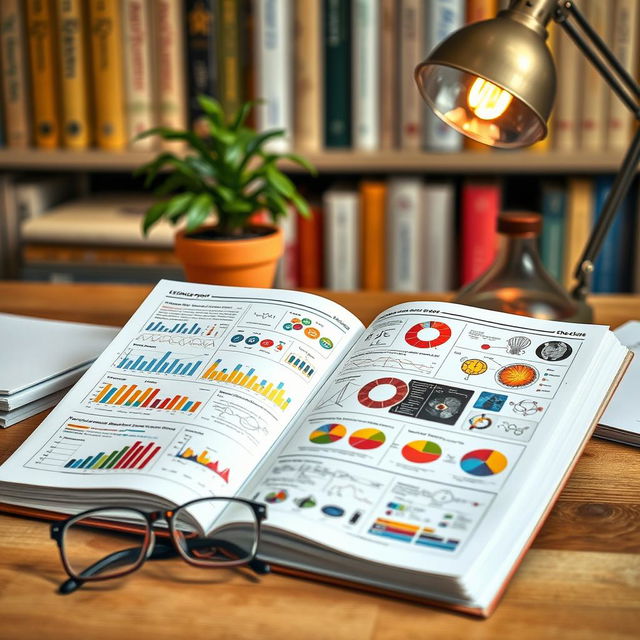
[(581, 579)]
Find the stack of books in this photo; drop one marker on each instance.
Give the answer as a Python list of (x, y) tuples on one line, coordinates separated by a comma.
[(42, 359)]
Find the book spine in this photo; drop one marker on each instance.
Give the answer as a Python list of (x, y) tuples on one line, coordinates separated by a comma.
[(441, 18), (139, 91), (577, 226), (373, 196), (14, 75), (44, 89), (311, 249), (479, 208), (248, 59), (274, 31), (411, 52), (288, 276), (566, 111), (308, 132), (230, 56), (341, 240), (200, 22), (366, 78), (337, 73), (71, 21), (554, 202), (404, 212), (388, 74), (169, 64), (624, 43), (108, 74), (438, 237)]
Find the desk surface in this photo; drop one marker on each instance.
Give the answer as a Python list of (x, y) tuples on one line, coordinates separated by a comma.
[(581, 579)]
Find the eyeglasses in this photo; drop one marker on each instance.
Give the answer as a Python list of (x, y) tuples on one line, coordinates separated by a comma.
[(96, 545)]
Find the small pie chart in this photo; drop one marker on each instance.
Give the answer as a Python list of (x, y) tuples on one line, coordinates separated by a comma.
[(328, 433), (427, 335), (367, 439), (483, 462), (274, 497), (421, 451)]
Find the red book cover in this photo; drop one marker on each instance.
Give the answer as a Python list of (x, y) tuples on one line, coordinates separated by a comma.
[(479, 208), (310, 249)]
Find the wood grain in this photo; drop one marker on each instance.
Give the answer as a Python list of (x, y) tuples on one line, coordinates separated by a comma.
[(581, 580)]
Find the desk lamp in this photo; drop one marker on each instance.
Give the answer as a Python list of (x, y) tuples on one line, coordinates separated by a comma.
[(495, 81)]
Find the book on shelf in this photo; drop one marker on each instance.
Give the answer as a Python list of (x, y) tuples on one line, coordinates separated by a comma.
[(554, 205), (389, 12), (579, 215), (373, 232), (288, 273), (417, 456), (230, 55), (311, 248)]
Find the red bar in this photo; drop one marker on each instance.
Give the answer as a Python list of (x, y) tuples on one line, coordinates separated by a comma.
[(174, 402), (164, 403), (155, 403), (194, 407), (139, 456), (153, 453), (150, 398), (127, 456)]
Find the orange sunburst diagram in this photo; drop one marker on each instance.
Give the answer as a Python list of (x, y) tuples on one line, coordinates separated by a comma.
[(516, 376)]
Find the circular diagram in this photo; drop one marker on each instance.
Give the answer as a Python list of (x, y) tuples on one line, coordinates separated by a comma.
[(276, 496), (516, 376), (367, 439), (554, 350), (483, 462), (373, 398), (474, 367), (480, 421), (421, 451), (328, 433), (333, 510), (440, 331)]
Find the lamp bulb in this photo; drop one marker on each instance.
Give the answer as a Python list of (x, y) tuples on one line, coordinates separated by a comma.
[(486, 100)]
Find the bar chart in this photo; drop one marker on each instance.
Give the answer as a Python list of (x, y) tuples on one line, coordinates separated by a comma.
[(301, 364), (167, 363), (132, 456), (129, 395), (203, 459), (191, 328), (272, 391)]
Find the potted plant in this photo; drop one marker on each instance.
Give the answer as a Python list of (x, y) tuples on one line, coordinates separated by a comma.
[(218, 186)]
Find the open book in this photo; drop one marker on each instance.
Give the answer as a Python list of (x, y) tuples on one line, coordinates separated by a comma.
[(418, 455)]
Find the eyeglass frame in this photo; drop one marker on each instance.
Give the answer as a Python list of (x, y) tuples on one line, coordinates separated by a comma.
[(149, 543)]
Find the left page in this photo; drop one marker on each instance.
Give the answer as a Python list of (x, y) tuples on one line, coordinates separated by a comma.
[(187, 399)]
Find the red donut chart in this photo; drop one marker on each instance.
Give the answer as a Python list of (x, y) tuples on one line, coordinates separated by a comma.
[(412, 336), (364, 394)]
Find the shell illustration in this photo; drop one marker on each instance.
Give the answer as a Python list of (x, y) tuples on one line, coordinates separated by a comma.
[(517, 345)]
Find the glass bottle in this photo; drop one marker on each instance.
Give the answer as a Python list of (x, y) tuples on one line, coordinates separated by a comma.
[(517, 281)]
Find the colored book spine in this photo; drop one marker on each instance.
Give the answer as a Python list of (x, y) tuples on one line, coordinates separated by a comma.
[(169, 65), (14, 75), (411, 52), (479, 206), (72, 36), (274, 34), (373, 195), (441, 18), (565, 132), (438, 237), (388, 74), (44, 89), (554, 202), (366, 75), (139, 91), (310, 249), (108, 74), (577, 226), (337, 73), (404, 211), (202, 57), (287, 276), (342, 251), (230, 55)]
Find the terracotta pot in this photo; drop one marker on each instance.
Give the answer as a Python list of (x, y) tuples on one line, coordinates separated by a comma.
[(248, 262)]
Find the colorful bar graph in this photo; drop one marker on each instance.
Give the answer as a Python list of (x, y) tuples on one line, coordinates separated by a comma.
[(167, 363), (301, 365), (275, 393), (178, 327), (203, 459), (135, 456), (131, 396)]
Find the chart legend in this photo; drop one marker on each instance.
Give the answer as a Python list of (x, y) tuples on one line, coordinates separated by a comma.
[(129, 395)]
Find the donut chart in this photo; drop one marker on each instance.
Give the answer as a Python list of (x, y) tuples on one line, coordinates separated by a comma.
[(483, 462), (328, 433), (421, 451), (412, 337), (367, 439), (365, 399)]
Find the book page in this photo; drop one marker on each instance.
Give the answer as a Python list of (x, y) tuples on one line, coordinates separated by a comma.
[(190, 395), (427, 433)]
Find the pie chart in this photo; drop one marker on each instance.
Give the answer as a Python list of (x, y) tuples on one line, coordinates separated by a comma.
[(374, 397), (276, 496), (421, 451), (483, 462), (328, 433), (367, 439), (426, 335)]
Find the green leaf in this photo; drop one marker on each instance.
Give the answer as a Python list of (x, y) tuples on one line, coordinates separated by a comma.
[(301, 205), (240, 206), (242, 113), (226, 194), (279, 181), (260, 139), (178, 206), (199, 211), (303, 162), (153, 214), (213, 109), (174, 181)]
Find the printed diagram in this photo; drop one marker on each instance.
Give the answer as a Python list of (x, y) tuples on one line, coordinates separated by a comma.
[(382, 392), (203, 459), (375, 361), (500, 426), (307, 328), (328, 433), (337, 397), (483, 462), (236, 417), (554, 351), (421, 451), (474, 367), (177, 340), (163, 363), (517, 376), (489, 401), (428, 335), (368, 438), (383, 333), (517, 345), (480, 421), (526, 407)]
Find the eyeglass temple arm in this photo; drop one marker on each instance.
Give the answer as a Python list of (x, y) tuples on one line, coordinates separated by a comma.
[(628, 90)]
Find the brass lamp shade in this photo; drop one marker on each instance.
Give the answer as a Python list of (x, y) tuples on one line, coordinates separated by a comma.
[(512, 108)]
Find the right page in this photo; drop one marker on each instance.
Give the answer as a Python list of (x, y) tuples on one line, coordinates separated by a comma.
[(437, 423)]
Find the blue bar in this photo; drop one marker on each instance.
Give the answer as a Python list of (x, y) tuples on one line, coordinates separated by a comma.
[(77, 463), (85, 463), (96, 458), (187, 406), (250, 372), (295, 364), (302, 365), (70, 463), (311, 372), (167, 329), (291, 359), (306, 369), (193, 369), (143, 364), (109, 395), (280, 386), (173, 365), (162, 360), (164, 366), (195, 328), (151, 364), (263, 383), (136, 364), (178, 369), (180, 327)]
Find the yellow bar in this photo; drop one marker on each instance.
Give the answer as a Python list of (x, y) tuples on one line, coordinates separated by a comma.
[(224, 377), (118, 393), (95, 465), (208, 373), (268, 388), (143, 397), (255, 387), (272, 395), (103, 393), (251, 382), (134, 397), (127, 394), (234, 376), (181, 404), (243, 382), (279, 396)]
